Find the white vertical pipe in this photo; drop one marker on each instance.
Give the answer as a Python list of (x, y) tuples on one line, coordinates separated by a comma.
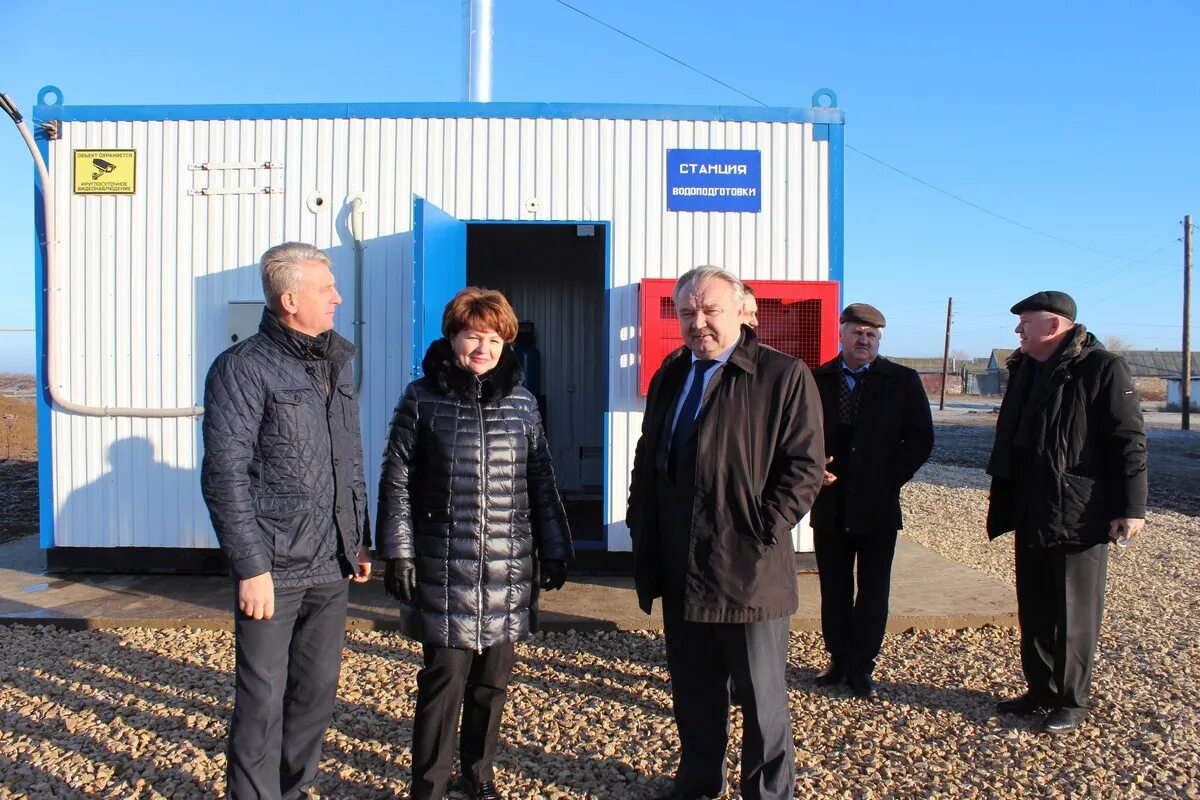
[(477, 25)]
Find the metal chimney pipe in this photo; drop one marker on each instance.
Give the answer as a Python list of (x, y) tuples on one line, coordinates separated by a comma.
[(477, 23)]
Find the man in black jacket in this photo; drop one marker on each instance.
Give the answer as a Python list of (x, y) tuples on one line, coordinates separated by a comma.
[(1068, 475), (283, 480), (728, 462), (878, 433)]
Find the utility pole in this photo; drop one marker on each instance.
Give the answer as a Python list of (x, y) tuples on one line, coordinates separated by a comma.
[(946, 354), (1185, 393)]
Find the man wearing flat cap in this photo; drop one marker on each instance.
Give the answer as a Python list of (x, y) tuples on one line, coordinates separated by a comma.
[(878, 432), (1068, 475)]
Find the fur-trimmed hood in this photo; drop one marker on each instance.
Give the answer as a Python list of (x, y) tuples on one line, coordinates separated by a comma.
[(443, 370)]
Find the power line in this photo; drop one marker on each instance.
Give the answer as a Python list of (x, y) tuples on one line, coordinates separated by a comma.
[(680, 62), (863, 153), (998, 215), (1125, 292), (1117, 269), (1140, 324)]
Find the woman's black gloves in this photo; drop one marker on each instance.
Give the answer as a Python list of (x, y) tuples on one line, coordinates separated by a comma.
[(400, 579), (554, 574)]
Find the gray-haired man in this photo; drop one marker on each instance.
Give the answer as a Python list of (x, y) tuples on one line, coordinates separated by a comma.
[(730, 458), (283, 480), (1068, 476)]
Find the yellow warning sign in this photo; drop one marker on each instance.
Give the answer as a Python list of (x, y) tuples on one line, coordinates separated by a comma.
[(105, 171)]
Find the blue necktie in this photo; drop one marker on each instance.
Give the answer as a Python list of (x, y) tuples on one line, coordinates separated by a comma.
[(685, 426)]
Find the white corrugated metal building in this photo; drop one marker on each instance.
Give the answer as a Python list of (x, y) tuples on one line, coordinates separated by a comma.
[(563, 207)]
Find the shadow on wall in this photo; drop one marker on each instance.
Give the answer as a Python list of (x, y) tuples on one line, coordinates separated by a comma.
[(134, 502)]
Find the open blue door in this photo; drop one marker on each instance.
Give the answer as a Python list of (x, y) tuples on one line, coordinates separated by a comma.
[(439, 271)]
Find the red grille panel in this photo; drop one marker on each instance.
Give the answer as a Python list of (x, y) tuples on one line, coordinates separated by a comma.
[(796, 317)]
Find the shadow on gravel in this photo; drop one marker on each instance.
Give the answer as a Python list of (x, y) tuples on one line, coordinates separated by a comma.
[(119, 721), (972, 704), (139, 711), (572, 773), (38, 780), (611, 677), (558, 674), (400, 654)]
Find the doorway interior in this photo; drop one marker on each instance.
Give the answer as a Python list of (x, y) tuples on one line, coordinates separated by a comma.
[(554, 275)]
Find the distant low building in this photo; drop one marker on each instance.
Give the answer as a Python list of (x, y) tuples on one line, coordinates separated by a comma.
[(1151, 369), (961, 377), (1175, 396), (994, 378)]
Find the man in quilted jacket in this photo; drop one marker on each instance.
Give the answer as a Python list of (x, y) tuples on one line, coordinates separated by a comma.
[(283, 480)]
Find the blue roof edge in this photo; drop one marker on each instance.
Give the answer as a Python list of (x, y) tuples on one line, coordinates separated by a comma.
[(435, 110)]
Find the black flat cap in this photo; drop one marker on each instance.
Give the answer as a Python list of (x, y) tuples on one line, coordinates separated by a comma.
[(1059, 303), (864, 314)]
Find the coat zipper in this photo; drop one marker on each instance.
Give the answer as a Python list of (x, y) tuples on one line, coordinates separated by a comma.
[(482, 517)]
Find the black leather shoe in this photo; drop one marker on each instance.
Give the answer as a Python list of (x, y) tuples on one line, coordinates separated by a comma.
[(831, 675), (484, 791), (862, 686), (1064, 719), (1028, 703)]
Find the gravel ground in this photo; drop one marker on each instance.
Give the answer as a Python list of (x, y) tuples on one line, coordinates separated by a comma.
[(1173, 459), (142, 714)]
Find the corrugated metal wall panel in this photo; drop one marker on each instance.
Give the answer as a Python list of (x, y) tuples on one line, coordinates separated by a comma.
[(144, 281)]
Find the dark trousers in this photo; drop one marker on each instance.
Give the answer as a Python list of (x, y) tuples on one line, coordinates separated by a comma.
[(702, 659), (1060, 603), (853, 624), (287, 677), (453, 682)]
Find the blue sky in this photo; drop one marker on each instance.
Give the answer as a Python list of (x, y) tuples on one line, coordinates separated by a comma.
[(1078, 120)]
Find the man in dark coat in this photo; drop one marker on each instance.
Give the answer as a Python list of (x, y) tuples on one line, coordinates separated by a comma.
[(728, 462), (1068, 475), (283, 480), (878, 433)]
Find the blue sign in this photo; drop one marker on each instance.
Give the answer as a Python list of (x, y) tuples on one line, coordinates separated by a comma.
[(714, 180)]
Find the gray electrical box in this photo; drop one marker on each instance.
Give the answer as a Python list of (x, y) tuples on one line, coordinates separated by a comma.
[(244, 316)]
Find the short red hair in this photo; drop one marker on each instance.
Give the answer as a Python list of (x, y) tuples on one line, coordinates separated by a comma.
[(481, 309)]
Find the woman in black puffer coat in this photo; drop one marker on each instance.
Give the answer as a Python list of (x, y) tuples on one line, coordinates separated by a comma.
[(471, 524)]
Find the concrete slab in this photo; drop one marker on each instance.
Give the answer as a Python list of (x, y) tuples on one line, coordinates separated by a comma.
[(928, 592)]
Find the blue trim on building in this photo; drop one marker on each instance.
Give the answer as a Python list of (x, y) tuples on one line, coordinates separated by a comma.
[(418, 286), (829, 95), (837, 208), (606, 508), (139, 113), (821, 132), (537, 222), (44, 438)]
